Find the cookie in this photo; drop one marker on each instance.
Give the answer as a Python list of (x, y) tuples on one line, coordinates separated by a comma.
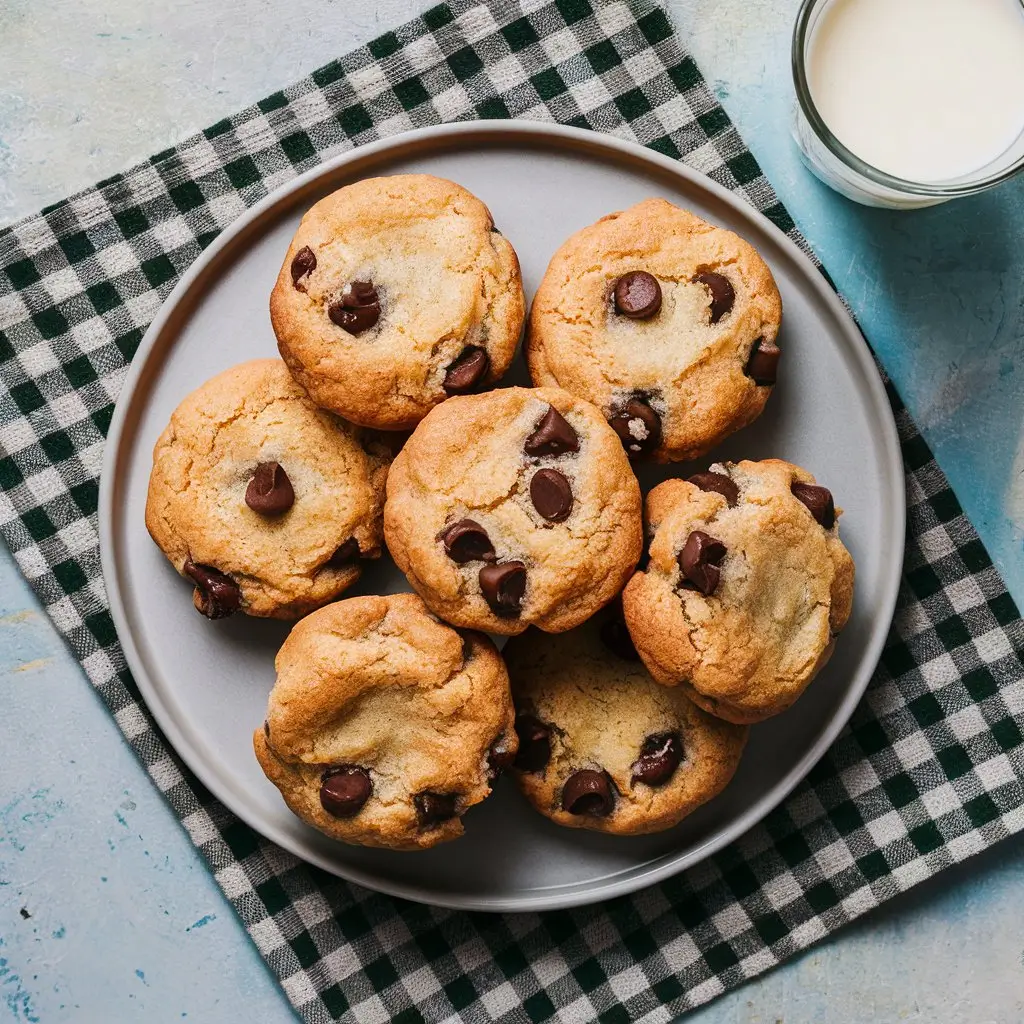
[(384, 725), (396, 293), (604, 747), (514, 507), (665, 322), (263, 501), (747, 586)]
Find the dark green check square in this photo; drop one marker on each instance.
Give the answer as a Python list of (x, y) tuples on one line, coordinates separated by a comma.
[(771, 928), (437, 17), (667, 989), (50, 323), (354, 120), (614, 1015), (101, 625), (846, 817), (871, 737), (353, 923), (222, 127), (335, 1001), (1007, 733), (744, 168), (519, 35), (57, 446), (460, 992), (573, 10), (383, 46), (975, 556), (924, 582), (822, 897), (981, 810), (793, 849), (603, 57), (953, 632), (916, 453), (305, 949), (1004, 608), (945, 506), (411, 93), (22, 273), (432, 944), (298, 147), (38, 524), (328, 74), (205, 238), (159, 158), (159, 270), (874, 866), (926, 837), (10, 475), (275, 101), (132, 221), (186, 196), (70, 576), (85, 495), (493, 109), (127, 344), (685, 75), (103, 296), (780, 217), (102, 418), (655, 27), (742, 881), (240, 839), (539, 1007), (465, 63), (714, 121), (548, 84), (898, 659), (666, 146), (6, 348), (721, 957), (632, 104), (640, 944), (901, 789), (27, 397), (381, 973), (77, 247), (589, 975), (274, 896), (511, 962), (980, 684), (408, 1016), (242, 172), (927, 710)]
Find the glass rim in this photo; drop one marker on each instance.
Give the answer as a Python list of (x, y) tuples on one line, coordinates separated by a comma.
[(848, 157)]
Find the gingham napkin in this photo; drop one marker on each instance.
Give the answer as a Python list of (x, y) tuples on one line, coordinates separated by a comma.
[(928, 772)]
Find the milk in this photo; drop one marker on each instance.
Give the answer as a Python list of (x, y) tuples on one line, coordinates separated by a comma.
[(925, 90)]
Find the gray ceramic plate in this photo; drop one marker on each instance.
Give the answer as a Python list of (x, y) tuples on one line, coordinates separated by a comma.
[(207, 683)]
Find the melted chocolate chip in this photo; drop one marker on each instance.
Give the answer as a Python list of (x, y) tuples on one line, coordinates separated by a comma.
[(503, 587), (345, 555), (217, 595), (433, 808), (344, 790), (303, 264), (722, 294), (719, 483), (637, 295), (638, 427), (467, 541), (553, 436), (700, 559), (469, 368), (763, 364), (588, 792), (551, 494), (358, 308), (270, 491), (534, 744), (659, 757), (499, 757), (818, 501)]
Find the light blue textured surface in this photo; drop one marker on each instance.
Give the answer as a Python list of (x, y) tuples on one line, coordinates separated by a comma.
[(124, 921)]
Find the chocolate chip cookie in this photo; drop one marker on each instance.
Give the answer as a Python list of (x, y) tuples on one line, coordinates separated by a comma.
[(665, 322), (747, 586), (396, 293), (264, 502), (601, 745), (384, 725), (514, 507)]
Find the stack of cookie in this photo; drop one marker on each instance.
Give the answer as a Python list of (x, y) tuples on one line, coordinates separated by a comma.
[(621, 701)]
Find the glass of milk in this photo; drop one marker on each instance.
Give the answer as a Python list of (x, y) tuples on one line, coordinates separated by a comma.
[(909, 103)]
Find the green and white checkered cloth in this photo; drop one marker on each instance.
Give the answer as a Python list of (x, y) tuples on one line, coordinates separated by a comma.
[(928, 772)]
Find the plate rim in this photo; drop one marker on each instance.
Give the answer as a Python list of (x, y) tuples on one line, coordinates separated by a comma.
[(505, 131)]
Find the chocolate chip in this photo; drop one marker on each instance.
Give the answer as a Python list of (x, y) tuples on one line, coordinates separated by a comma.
[(638, 427), (659, 758), (218, 593), (700, 559), (719, 483), (722, 294), (503, 587), (467, 371), (615, 636), (345, 555), (266, 728), (551, 494), (637, 295), (499, 757), (588, 792), (270, 491), (433, 808), (467, 541), (344, 790), (763, 364), (819, 502), (303, 263), (553, 436), (358, 308), (534, 744)]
